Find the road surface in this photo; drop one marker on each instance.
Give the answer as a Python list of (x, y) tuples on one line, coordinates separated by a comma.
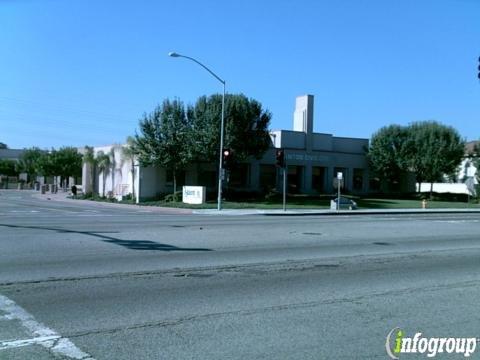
[(89, 281)]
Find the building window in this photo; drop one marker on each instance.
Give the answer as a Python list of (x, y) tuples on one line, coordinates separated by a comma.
[(239, 176), (180, 175), (318, 178), (268, 177), (374, 184), (207, 178), (358, 179), (295, 179)]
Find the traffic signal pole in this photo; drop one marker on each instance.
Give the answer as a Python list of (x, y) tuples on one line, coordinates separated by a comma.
[(282, 164), (284, 188)]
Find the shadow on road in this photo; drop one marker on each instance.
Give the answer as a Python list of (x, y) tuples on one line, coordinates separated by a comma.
[(129, 244)]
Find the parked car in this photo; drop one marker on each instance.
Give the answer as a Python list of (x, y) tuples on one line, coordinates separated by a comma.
[(346, 203)]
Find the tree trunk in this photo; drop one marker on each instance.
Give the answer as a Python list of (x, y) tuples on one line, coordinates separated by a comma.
[(113, 179), (431, 190), (94, 181), (174, 182), (133, 181), (104, 179)]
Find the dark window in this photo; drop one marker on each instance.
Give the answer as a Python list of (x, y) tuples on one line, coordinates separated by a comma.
[(239, 176), (207, 178), (180, 177), (358, 179), (268, 177), (318, 178)]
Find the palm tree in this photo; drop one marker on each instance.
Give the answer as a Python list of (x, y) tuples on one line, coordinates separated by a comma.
[(89, 159), (113, 164), (129, 152), (104, 164)]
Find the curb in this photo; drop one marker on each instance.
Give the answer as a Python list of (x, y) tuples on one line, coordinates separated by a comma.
[(313, 212)]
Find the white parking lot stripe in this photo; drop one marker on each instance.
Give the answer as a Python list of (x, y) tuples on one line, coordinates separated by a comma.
[(42, 335)]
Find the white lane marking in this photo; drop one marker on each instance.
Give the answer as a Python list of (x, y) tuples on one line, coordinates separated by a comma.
[(456, 221), (4, 345), (42, 335)]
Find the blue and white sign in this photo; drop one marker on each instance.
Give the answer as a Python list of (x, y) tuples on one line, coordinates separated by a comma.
[(194, 194)]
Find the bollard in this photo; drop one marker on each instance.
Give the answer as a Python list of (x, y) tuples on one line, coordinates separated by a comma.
[(424, 204)]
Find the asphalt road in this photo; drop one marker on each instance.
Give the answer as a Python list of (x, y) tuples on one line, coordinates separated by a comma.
[(92, 281)]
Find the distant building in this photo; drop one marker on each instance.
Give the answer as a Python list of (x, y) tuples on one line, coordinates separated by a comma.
[(11, 154), (313, 160)]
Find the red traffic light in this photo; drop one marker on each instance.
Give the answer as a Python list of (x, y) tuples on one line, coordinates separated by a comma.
[(280, 158), (227, 159), (478, 75)]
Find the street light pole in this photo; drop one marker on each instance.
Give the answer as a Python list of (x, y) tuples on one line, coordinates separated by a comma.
[(222, 125)]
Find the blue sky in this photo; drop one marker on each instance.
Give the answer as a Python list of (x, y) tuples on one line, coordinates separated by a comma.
[(83, 72)]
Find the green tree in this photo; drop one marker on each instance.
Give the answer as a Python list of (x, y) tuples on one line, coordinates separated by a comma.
[(165, 138), (104, 165), (428, 149), (68, 163), (387, 153), (46, 165), (91, 161), (3, 145), (129, 152), (7, 168), (29, 162), (433, 150), (246, 127)]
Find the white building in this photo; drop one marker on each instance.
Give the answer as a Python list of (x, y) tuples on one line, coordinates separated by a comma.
[(313, 161)]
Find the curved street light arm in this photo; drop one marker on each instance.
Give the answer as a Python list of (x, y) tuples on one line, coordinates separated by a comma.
[(199, 63)]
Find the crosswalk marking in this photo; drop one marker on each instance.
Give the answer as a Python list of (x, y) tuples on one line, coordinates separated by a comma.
[(41, 335)]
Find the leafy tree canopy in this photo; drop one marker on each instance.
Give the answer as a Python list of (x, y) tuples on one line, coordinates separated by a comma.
[(7, 167), (68, 162), (173, 135), (29, 161), (428, 149), (246, 127), (387, 151), (165, 137)]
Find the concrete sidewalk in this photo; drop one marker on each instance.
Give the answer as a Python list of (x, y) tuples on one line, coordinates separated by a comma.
[(328, 212), (65, 197)]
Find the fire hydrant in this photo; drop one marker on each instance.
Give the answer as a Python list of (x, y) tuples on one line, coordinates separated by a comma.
[(424, 204)]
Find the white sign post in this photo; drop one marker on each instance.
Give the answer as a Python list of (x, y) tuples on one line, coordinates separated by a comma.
[(339, 179), (194, 194)]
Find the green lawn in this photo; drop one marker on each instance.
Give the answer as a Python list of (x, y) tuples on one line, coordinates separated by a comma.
[(321, 203), (412, 204)]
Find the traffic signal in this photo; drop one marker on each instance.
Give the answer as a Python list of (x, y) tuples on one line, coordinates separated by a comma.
[(227, 158), (478, 75), (280, 158)]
